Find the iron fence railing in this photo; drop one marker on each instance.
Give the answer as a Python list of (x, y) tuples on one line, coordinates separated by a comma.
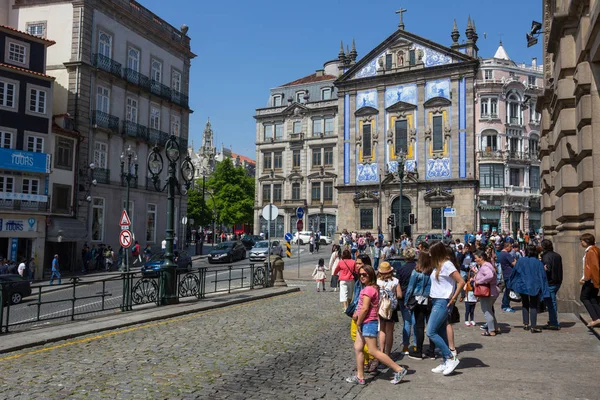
[(104, 120), (25, 205), (101, 175), (107, 64), (127, 291)]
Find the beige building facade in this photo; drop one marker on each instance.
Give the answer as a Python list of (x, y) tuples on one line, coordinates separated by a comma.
[(570, 134)]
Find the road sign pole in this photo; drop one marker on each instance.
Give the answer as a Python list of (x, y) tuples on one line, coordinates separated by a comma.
[(269, 252), (298, 243)]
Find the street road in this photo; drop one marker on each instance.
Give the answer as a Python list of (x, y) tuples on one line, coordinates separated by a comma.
[(25, 315)]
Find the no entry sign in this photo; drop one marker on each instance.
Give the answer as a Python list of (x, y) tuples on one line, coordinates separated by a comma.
[(125, 238)]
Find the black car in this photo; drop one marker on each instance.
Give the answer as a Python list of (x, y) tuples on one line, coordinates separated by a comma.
[(249, 242), (181, 258), (227, 252), (14, 288)]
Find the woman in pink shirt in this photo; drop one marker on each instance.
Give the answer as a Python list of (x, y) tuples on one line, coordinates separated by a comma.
[(487, 276), (367, 322), (345, 269)]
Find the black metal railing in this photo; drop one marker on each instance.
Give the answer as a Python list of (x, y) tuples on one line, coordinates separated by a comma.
[(517, 155), (135, 130), (133, 76), (127, 291), (157, 137), (133, 182), (103, 120), (179, 98), (107, 64), (25, 205), (101, 175)]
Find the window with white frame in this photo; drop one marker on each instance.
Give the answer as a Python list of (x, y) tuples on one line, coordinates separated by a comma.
[(494, 107), (279, 131), (64, 153), (326, 94), (176, 81), (30, 186), (7, 184), (300, 97), (277, 160), (489, 107), (105, 44), (317, 127), (17, 52), (103, 99), (488, 75), (37, 101), (531, 80), (485, 108), (37, 29), (328, 156), (7, 94), (315, 191), (489, 141), (132, 110), (151, 223), (97, 219), (175, 125), (101, 155), (316, 157), (295, 191), (277, 100), (297, 128), (155, 117), (156, 73), (6, 140), (328, 126), (268, 132), (515, 114), (133, 59), (35, 144), (534, 147)]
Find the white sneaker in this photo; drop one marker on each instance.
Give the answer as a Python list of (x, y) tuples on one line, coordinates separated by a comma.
[(467, 323), (473, 323), (440, 368), (451, 366), (454, 352)]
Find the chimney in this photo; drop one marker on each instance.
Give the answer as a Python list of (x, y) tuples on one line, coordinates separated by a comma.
[(320, 72), (534, 62)]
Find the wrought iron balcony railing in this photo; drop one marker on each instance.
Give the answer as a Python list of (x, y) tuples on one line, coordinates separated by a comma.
[(134, 130), (25, 205), (159, 89), (179, 98), (101, 175), (157, 137), (133, 183), (103, 120), (107, 64), (518, 155), (133, 76), (490, 155)]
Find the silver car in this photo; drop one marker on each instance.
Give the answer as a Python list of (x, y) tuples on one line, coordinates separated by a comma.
[(260, 249)]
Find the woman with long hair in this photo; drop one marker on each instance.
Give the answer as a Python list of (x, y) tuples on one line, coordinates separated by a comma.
[(416, 299), (387, 283), (446, 284), (366, 318), (334, 260), (486, 275), (346, 269), (370, 363), (528, 278)]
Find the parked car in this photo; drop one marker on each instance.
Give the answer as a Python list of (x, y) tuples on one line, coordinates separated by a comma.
[(301, 237), (325, 240), (260, 249), (227, 252), (153, 265), (14, 288), (249, 242), (430, 237)]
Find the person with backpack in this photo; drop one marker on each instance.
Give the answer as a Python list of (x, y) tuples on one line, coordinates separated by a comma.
[(136, 252), (109, 256), (389, 287)]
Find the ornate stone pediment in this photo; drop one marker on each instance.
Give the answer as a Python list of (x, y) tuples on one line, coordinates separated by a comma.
[(438, 198), (322, 174), (365, 197), (295, 176), (364, 111), (393, 179), (437, 102), (296, 109), (401, 107), (271, 177)]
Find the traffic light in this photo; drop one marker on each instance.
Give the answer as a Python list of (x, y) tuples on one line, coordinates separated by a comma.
[(392, 220), (411, 219)]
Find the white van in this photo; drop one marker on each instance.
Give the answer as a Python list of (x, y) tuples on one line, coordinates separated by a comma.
[(302, 237)]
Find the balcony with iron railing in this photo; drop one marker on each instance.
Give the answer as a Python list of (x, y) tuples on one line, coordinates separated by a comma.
[(179, 98), (516, 121), (518, 156), (133, 76), (25, 205), (490, 154), (101, 175), (133, 183), (101, 119), (159, 89), (157, 137), (107, 64), (134, 130)]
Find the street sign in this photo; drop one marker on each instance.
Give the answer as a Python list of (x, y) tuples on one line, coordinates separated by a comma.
[(270, 212), (288, 236), (125, 238), (184, 220), (299, 212), (288, 249), (125, 221), (449, 212), (299, 225)]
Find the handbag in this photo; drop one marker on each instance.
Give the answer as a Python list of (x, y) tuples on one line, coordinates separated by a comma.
[(411, 303), (354, 274), (351, 309), (385, 306), (482, 290), (514, 296)]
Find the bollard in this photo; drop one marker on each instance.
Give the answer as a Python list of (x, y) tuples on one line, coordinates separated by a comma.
[(277, 266)]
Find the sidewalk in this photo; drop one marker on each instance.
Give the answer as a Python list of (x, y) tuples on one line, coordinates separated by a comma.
[(35, 337)]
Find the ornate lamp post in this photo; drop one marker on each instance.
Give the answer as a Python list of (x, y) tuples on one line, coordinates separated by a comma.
[(168, 292), (127, 176)]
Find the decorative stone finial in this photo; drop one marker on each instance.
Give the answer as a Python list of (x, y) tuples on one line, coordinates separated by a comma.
[(455, 34), (184, 29), (469, 30), (353, 53)]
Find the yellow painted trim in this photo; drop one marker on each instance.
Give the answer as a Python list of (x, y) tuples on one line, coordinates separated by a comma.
[(444, 121), (360, 132), (409, 125)]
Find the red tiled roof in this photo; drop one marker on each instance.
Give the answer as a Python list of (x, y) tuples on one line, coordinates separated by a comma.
[(26, 70), (243, 158), (33, 37), (311, 79)]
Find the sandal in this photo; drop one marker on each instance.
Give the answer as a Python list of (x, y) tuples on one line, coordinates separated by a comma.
[(487, 333)]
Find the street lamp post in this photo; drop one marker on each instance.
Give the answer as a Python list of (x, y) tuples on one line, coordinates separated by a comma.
[(131, 157), (168, 278)]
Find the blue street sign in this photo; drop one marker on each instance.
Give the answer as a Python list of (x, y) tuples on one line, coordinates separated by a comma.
[(288, 236), (299, 212)]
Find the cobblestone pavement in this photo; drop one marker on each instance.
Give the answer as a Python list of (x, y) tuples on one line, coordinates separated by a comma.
[(295, 346)]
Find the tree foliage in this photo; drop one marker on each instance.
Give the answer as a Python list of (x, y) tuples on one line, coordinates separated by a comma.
[(233, 194)]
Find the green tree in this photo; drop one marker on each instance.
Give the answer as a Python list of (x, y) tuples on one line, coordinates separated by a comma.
[(233, 192), (197, 204)]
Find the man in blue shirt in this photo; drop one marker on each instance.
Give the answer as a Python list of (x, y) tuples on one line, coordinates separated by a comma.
[(55, 271), (506, 261)]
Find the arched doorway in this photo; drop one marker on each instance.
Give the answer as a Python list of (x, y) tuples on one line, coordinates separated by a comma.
[(406, 210)]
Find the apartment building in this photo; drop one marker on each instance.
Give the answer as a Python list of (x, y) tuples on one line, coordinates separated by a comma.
[(507, 129), (122, 78)]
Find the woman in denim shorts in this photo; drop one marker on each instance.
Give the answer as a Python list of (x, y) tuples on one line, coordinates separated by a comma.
[(367, 321)]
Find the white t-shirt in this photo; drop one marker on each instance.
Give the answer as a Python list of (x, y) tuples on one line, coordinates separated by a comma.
[(443, 287), (21, 269)]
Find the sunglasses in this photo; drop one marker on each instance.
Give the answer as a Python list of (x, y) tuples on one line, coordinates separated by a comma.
[(363, 275)]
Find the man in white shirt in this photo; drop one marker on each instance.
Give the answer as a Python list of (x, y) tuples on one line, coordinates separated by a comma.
[(385, 252), (21, 269)]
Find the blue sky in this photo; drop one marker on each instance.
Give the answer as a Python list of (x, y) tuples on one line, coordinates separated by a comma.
[(246, 47)]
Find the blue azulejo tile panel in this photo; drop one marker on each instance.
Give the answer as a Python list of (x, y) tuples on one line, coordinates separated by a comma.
[(366, 98), (368, 70), (405, 93), (366, 173), (462, 156), (437, 88), (438, 168), (433, 57), (409, 166)]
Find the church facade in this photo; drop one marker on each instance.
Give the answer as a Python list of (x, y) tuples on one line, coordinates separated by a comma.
[(408, 96)]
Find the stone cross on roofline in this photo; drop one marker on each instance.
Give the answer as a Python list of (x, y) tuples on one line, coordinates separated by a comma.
[(401, 11)]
